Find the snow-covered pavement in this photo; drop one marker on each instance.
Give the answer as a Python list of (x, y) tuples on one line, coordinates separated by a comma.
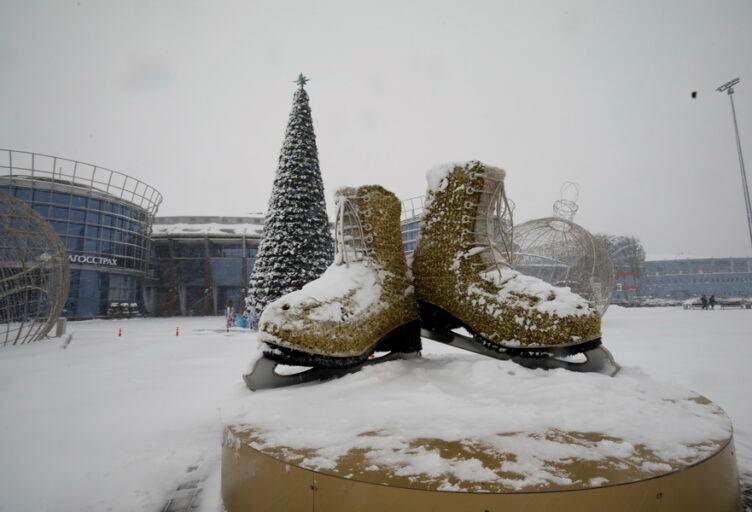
[(112, 423)]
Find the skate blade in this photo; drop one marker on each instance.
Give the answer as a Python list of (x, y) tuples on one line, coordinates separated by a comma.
[(597, 359), (264, 374)]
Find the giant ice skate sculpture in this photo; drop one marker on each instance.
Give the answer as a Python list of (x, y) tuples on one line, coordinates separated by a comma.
[(464, 280), (363, 304), (587, 456)]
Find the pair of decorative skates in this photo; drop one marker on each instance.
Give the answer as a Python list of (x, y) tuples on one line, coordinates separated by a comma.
[(370, 306)]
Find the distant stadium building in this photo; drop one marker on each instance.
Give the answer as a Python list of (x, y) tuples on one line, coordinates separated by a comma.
[(200, 264), (675, 278), (103, 218)]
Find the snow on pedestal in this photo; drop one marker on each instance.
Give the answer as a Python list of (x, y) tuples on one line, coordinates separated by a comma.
[(459, 423)]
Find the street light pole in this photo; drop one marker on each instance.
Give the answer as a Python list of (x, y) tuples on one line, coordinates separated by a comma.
[(728, 87)]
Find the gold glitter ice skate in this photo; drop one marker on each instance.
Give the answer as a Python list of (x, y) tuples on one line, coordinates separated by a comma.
[(464, 280), (362, 306)]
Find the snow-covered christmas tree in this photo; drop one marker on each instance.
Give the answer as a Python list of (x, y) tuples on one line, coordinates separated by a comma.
[(296, 245)]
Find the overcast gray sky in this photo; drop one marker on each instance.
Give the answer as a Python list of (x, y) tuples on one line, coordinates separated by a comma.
[(193, 98)]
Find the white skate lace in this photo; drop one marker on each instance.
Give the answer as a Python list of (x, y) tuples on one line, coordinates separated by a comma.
[(496, 238), (352, 237)]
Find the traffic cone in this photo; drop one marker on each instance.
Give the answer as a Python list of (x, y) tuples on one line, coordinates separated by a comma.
[(177, 331)]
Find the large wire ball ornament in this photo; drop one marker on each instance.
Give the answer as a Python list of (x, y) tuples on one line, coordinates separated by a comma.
[(563, 253), (34, 274)]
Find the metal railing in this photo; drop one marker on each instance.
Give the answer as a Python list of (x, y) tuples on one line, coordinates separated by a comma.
[(64, 171), (412, 208)]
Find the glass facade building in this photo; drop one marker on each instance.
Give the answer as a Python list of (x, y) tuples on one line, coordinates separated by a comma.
[(692, 277), (102, 217), (200, 264)]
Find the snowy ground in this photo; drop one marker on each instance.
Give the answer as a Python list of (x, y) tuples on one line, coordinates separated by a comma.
[(113, 423)]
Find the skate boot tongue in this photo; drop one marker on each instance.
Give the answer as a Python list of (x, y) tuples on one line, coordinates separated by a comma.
[(487, 224), (352, 235), (493, 259)]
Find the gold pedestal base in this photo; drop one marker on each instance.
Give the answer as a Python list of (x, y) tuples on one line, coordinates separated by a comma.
[(254, 480)]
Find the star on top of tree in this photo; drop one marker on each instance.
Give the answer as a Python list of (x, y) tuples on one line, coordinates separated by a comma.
[(301, 81)]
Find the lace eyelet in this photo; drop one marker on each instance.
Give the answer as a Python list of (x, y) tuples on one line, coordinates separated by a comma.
[(466, 219), (469, 205), (367, 212), (470, 191), (367, 227), (368, 239)]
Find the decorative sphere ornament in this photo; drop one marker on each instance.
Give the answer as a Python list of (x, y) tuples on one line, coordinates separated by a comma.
[(562, 253), (34, 273)]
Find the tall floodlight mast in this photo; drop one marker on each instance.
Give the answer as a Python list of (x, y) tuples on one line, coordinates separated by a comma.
[(728, 87)]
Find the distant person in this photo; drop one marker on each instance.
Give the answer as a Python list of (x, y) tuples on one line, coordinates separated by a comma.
[(704, 301), (712, 302), (229, 311), (252, 320)]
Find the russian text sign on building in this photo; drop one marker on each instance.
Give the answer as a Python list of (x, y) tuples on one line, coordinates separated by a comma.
[(92, 260)]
